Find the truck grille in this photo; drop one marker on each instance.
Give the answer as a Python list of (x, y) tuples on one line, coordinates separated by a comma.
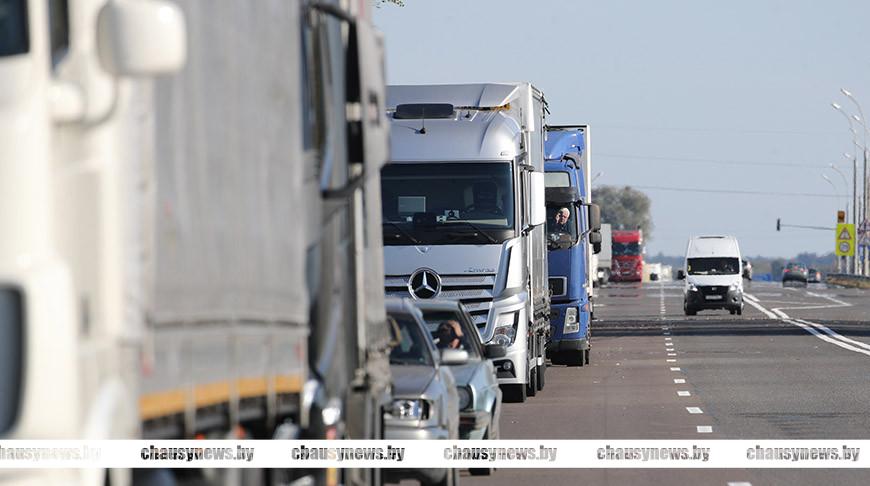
[(474, 291), (11, 355)]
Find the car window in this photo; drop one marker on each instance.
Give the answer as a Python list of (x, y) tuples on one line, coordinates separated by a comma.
[(443, 325), (413, 347)]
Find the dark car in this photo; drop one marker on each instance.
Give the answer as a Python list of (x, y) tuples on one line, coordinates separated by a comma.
[(814, 276), (795, 272)]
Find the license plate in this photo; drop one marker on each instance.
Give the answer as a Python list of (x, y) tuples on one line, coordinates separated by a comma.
[(713, 297)]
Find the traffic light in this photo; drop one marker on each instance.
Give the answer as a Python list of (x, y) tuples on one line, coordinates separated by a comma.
[(841, 216), (777, 224)]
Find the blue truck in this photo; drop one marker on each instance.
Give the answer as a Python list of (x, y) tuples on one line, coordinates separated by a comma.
[(573, 224)]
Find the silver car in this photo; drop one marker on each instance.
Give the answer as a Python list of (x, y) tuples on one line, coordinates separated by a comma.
[(425, 401), (476, 381)]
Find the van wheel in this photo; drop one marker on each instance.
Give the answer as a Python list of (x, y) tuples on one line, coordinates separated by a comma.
[(690, 312), (740, 311), (732, 311), (532, 387)]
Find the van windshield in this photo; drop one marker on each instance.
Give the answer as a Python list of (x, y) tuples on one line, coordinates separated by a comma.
[(713, 266), (447, 203)]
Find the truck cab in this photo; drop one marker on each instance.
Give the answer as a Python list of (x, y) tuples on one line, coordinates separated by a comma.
[(571, 224), (627, 256), (464, 213)]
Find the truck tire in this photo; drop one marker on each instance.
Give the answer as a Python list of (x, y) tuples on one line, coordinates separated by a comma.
[(541, 373), (532, 387), (586, 355)]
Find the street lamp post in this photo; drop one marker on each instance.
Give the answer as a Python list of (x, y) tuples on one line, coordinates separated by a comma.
[(860, 118), (854, 158)]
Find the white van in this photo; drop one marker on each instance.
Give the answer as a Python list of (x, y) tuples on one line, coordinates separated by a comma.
[(713, 275)]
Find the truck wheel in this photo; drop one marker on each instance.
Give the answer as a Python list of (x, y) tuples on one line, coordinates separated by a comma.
[(690, 311), (532, 388), (541, 373), (451, 478), (586, 354), (514, 393)]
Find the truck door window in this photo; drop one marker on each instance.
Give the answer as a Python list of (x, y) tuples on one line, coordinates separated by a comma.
[(14, 37), (562, 220)]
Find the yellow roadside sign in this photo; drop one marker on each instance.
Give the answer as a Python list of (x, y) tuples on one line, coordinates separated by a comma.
[(845, 239)]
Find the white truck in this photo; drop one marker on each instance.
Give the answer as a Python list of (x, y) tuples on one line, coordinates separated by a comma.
[(464, 213), (157, 276), (604, 256)]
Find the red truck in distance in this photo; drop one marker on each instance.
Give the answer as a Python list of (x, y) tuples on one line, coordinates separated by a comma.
[(627, 259)]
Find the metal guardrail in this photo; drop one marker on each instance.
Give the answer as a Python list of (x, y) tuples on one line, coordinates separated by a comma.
[(847, 280)]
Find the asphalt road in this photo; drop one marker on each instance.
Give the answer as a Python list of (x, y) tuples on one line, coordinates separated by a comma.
[(795, 365)]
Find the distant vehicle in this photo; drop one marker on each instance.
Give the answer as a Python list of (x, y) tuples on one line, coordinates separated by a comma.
[(604, 257), (814, 276), (795, 272), (627, 259), (747, 269), (425, 403), (713, 275), (476, 382)]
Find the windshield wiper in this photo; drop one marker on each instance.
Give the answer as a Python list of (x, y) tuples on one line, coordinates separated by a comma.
[(476, 228), (405, 233)]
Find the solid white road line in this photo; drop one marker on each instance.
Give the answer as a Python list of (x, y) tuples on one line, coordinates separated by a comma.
[(705, 429), (694, 410), (820, 331), (683, 393)]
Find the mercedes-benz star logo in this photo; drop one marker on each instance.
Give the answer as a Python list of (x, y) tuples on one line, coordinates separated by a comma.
[(424, 284)]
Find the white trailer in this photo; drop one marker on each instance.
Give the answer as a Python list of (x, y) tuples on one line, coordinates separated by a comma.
[(604, 256), (196, 254)]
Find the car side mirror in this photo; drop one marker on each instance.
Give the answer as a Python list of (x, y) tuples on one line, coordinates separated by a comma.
[(681, 275), (594, 217), (454, 356), (493, 351), (141, 37)]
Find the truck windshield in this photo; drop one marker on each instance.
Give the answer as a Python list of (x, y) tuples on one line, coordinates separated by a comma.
[(13, 28), (412, 348), (713, 266), (447, 203), (625, 249)]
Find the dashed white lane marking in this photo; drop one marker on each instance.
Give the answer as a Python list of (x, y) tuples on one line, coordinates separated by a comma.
[(705, 429), (826, 334), (694, 410), (675, 368), (670, 360), (672, 354), (668, 338), (742, 483), (667, 334), (684, 393), (679, 381)]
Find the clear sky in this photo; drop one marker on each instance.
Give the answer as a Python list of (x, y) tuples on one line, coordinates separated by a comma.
[(687, 94)]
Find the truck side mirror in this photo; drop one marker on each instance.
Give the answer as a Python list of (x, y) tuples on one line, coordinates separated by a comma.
[(595, 240), (681, 275), (141, 37), (594, 217)]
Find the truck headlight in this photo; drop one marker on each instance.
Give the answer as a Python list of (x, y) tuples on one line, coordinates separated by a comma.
[(408, 409), (466, 397), (505, 328), (572, 324)]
